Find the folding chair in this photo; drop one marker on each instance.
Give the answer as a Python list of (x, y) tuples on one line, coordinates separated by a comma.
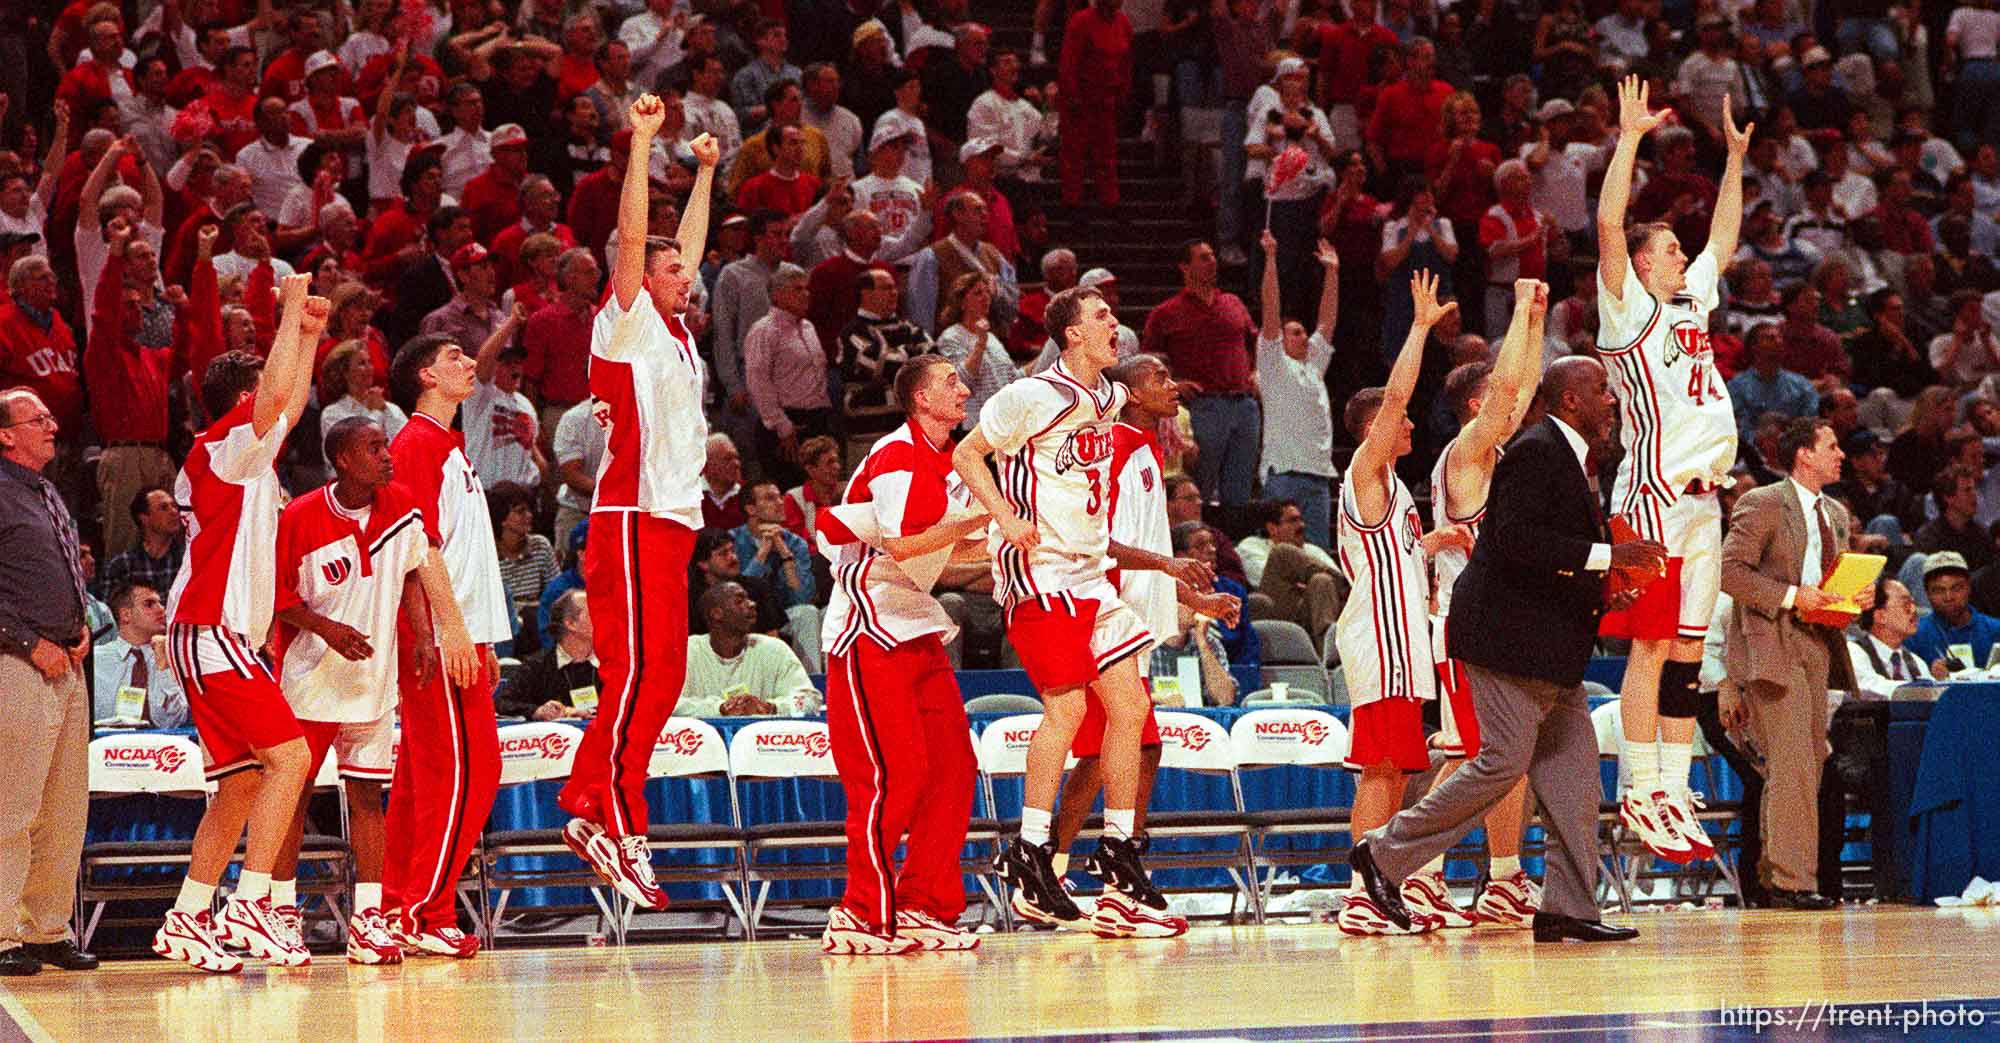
[(795, 753), (982, 845), (1000, 702), (1292, 737), (1198, 745), (533, 753), (164, 770), (1002, 750), (1289, 656), (691, 754)]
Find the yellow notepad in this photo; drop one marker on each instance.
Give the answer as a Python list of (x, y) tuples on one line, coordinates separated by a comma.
[(1852, 574)]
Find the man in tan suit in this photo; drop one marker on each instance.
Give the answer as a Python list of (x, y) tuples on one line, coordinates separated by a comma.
[(1783, 539)]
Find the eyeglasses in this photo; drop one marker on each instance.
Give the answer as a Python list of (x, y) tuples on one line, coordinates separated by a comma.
[(38, 420)]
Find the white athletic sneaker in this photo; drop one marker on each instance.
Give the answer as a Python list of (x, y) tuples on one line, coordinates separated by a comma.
[(444, 941), (1084, 906), (1426, 893), (1117, 915), (1360, 916), (369, 941), (1508, 902), (294, 923), (256, 928), (626, 863), (1645, 817), (847, 935), (1678, 812), (933, 933), (190, 938)]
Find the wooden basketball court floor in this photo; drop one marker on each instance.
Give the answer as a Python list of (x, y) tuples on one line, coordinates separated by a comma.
[(1865, 973)]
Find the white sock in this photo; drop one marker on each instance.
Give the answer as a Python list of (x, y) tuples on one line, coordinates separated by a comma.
[(1501, 868), (1037, 43), (1354, 886), (253, 886), (367, 896), (1061, 862), (1035, 825), (284, 892), (1644, 758), (1119, 823), (195, 897), (1676, 759), (1435, 865)]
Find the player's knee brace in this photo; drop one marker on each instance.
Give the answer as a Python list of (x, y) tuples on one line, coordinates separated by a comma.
[(1680, 689)]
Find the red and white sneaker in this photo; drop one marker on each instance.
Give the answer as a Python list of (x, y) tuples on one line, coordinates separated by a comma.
[(190, 938), (294, 922), (1678, 810), (399, 932), (369, 940), (626, 863), (1645, 818), (1118, 915), (1084, 906), (1359, 915), (934, 934), (444, 941), (1508, 902), (847, 935), (1426, 894), (256, 928)]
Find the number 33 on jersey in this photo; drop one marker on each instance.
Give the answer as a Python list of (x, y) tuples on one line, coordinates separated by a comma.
[(1053, 438)]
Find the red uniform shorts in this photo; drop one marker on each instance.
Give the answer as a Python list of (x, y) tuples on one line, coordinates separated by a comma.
[(237, 705), (1388, 730)]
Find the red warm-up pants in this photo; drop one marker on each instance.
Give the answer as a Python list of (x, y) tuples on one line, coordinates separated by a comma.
[(904, 750), (635, 576), (1090, 141), (442, 792)]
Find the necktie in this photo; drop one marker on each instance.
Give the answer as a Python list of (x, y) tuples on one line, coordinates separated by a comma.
[(65, 535), (1896, 665), (1827, 552), (141, 679)]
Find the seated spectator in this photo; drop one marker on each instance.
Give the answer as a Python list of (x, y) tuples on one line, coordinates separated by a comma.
[(722, 488), (527, 561), (1766, 240), (1198, 636), (348, 387), (1753, 295), (560, 680), (1807, 346), (784, 369), (1819, 222), (1300, 578), (1870, 491), (1885, 355), (714, 561), (130, 678), (156, 559), (1968, 353), (1881, 662), (1955, 636), (570, 578), (1192, 539), (967, 339), (766, 550), (1956, 527), (874, 346), (1904, 229), (823, 487), (1767, 388), (733, 671)]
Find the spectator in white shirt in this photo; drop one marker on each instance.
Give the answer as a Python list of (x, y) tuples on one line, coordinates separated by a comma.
[(468, 149), (250, 231), (654, 36), (1710, 74), (24, 204), (102, 202), (894, 199), (734, 672), (1622, 33), (1561, 168), (578, 448), (1003, 115), (907, 119), (501, 433), (130, 678), (708, 114), (1298, 418), (835, 122), (272, 161), (347, 385), (1881, 663), (1300, 577)]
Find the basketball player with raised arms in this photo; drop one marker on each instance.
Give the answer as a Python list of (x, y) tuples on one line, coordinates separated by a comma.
[(220, 611), (648, 381), (1489, 401), (349, 553), (1050, 541), (1384, 630), (893, 708), (1679, 435)]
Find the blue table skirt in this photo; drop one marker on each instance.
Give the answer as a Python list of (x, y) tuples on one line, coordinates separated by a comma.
[(1953, 797), (533, 807)]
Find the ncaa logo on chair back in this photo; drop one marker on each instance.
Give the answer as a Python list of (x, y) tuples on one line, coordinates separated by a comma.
[(683, 741), (549, 745), (1083, 447), (1186, 736), (337, 570), (1304, 733), (811, 744), (163, 758)]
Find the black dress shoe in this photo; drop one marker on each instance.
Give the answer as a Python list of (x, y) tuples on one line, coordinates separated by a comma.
[(1811, 901), (63, 955), (1555, 927), (17, 963), (1386, 895)]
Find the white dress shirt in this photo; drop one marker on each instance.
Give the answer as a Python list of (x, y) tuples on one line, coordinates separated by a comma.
[(1809, 564), (1900, 666), (467, 154), (1600, 553)]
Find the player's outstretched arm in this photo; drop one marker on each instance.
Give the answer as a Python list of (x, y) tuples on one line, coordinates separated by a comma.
[(1267, 291), (1520, 356), (487, 361), (461, 660), (628, 276), (1369, 471), (1634, 121), (1531, 358), (1727, 222), (1184, 570), (1329, 291), (288, 368), (692, 232), (935, 538), (969, 460)]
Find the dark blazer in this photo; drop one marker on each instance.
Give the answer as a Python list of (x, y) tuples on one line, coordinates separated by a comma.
[(423, 288), (1525, 604)]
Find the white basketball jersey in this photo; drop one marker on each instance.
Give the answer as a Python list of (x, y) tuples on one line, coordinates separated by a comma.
[(1053, 438), (1678, 424), (1448, 563), (1139, 519), (1384, 631)]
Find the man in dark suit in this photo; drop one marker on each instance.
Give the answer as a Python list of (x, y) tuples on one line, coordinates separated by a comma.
[(428, 284), (1783, 540), (1523, 621)]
